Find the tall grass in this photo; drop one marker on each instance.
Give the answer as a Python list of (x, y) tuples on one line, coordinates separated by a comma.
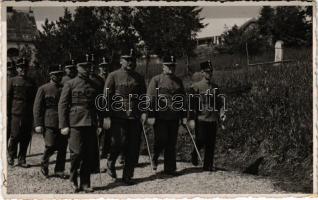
[(271, 123)]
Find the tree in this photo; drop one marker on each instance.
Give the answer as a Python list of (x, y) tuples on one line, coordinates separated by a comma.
[(290, 25), (47, 45), (169, 30), (108, 31), (265, 23)]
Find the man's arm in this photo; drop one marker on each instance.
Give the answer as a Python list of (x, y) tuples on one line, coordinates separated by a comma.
[(151, 92), (38, 108), (64, 106), (9, 96)]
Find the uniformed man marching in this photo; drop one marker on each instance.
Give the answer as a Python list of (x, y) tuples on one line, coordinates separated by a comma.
[(11, 72), (206, 111), (70, 72), (125, 122), (105, 137), (166, 120), (78, 119), (45, 112), (21, 93)]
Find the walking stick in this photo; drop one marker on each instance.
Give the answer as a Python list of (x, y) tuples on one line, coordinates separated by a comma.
[(146, 140), (195, 146), (30, 144), (98, 145)]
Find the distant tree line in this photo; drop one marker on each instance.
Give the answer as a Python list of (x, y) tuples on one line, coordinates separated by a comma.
[(291, 24), (107, 31)]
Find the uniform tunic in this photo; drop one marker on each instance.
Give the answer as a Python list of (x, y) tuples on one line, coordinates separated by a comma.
[(45, 113), (21, 92)]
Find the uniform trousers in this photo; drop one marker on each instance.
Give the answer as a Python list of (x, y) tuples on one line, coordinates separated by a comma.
[(125, 138), (54, 141), (21, 128), (82, 145), (166, 133), (205, 138)]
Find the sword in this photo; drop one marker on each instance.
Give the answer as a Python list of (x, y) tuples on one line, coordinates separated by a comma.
[(146, 140), (195, 146)]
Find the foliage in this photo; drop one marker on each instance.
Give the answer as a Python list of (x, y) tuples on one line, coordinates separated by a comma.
[(273, 122), (169, 30), (291, 24), (108, 31)]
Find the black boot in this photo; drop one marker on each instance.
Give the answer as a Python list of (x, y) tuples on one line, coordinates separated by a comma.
[(45, 170), (194, 158), (128, 181), (154, 164), (111, 171), (11, 162), (87, 189)]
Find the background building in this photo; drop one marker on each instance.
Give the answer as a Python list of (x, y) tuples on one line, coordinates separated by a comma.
[(22, 31)]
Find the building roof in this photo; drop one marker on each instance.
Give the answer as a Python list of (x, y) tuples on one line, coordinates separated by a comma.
[(21, 26)]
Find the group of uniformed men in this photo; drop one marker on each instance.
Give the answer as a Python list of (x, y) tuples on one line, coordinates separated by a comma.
[(64, 111)]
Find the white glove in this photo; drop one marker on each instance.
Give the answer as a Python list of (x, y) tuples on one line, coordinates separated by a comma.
[(143, 118), (192, 124), (39, 129), (222, 116), (107, 123), (99, 131), (184, 121), (65, 131), (151, 121)]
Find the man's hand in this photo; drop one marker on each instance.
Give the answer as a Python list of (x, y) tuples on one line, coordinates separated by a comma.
[(39, 129), (143, 118), (99, 130), (222, 115), (151, 121), (192, 124), (184, 121), (107, 123), (65, 131)]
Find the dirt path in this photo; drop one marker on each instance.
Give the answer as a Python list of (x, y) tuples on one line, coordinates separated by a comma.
[(191, 181)]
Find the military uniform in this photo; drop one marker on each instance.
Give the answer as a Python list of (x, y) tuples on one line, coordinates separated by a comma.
[(206, 115), (65, 79), (167, 121), (45, 113), (77, 110), (104, 136), (10, 73), (21, 92), (125, 124)]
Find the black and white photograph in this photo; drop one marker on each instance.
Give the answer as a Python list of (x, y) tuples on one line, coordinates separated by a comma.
[(121, 100)]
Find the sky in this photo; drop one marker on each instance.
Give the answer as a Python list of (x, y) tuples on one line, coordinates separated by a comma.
[(216, 17)]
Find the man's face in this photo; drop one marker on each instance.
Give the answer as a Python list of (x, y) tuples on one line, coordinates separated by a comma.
[(126, 64), (21, 71), (207, 74), (84, 71), (71, 72), (169, 69), (102, 71), (57, 78)]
